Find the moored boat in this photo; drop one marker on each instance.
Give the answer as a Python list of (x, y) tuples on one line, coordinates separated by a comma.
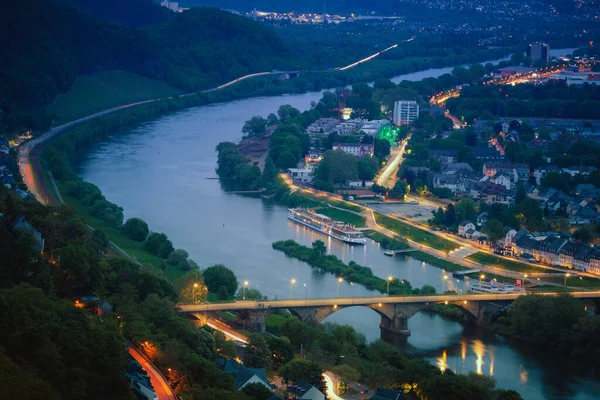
[(322, 223)]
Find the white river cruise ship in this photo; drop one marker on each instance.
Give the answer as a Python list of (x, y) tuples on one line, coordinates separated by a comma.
[(322, 223)]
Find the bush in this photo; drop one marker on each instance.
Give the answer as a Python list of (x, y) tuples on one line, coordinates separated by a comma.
[(136, 229), (159, 245)]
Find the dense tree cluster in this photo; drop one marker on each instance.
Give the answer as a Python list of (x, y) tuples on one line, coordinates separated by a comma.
[(198, 49)]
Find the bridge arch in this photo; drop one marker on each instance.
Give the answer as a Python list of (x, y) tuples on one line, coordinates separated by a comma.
[(318, 314)]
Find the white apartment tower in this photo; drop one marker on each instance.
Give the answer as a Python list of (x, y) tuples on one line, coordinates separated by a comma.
[(405, 112)]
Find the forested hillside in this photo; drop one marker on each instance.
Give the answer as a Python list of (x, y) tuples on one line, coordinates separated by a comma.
[(44, 46), (130, 12)]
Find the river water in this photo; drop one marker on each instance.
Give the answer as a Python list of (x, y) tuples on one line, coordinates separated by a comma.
[(163, 172)]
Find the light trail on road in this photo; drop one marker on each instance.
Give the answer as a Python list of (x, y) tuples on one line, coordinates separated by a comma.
[(330, 388), (366, 59)]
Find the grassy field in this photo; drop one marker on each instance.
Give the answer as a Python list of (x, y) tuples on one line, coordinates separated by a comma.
[(131, 247), (436, 262), (488, 277), (343, 216), (498, 262), (580, 282), (105, 90), (333, 202), (415, 234), (386, 242)]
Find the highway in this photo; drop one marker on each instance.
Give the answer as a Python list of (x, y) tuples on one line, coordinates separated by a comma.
[(373, 301), (389, 173), (159, 382)]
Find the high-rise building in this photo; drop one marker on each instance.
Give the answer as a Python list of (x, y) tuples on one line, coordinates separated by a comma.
[(539, 51), (405, 112)]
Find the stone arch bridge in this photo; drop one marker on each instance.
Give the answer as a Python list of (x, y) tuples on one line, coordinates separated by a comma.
[(395, 311)]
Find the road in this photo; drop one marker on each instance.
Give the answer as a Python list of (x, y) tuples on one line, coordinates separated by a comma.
[(159, 382), (389, 173), (372, 301)]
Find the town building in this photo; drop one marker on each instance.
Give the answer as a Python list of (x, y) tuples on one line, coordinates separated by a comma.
[(39, 241), (243, 375), (305, 391), (356, 149), (301, 175), (405, 112), (538, 51)]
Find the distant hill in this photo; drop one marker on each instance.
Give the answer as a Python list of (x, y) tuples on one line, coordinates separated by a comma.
[(137, 13), (44, 46)]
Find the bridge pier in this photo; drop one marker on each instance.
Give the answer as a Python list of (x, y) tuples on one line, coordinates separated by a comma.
[(394, 331)]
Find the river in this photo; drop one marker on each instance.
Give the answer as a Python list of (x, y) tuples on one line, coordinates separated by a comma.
[(163, 172)]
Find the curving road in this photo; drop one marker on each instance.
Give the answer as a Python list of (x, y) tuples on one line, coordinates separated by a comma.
[(159, 382)]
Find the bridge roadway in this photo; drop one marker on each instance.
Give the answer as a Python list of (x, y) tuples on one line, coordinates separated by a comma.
[(365, 301), (395, 311)]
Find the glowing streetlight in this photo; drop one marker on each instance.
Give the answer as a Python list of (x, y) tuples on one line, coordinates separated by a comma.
[(565, 280), (404, 286), (481, 277), (194, 293), (389, 279), (292, 283), (246, 283), (352, 284), (339, 280), (444, 283), (305, 292)]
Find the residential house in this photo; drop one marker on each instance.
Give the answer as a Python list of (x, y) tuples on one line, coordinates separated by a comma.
[(455, 183), (356, 149), (244, 376), (502, 179), (545, 248), (139, 381), (301, 175), (305, 391), (508, 237), (579, 170), (586, 190), (4, 146), (487, 154), (387, 394), (444, 156), (541, 172), (491, 193), (594, 267), (492, 168), (456, 168), (20, 223), (482, 218), (581, 261), (464, 226)]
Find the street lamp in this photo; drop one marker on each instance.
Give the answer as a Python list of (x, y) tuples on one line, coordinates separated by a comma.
[(292, 283), (244, 289), (194, 293), (339, 280), (481, 277), (565, 280), (444, 283), (352, 284), (389, 279), (404, 286), (305, 292)]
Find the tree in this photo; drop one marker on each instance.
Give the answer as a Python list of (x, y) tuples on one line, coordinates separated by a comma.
[(347, 374), (282, 352), (269, 173), (219, 276), (382, 149), (300, 369), (319, 248), (493, 229), (286, 160), (503, 394), (297, 331), (257, 391), (272, 119), (256, 352), (159, 244), (585, 234), (367, 168), (521, 195), (400, 190), (136, 229), (179, 258), (255, 126)]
